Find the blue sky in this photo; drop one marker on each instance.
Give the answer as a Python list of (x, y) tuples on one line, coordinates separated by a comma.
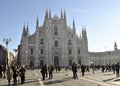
[(101, 17)]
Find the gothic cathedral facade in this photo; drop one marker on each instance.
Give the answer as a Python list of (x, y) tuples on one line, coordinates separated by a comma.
[(54, 42)]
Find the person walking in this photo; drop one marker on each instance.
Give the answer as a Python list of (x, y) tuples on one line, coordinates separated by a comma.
[(83, 70), (44, 71), (22, 74), (9, 74), (15, 75), (117, 70), (50, 70), (75, 71), (93, 68)]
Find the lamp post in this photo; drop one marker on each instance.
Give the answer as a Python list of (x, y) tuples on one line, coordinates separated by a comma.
[(7, 41), (109, 57), (15, 59)]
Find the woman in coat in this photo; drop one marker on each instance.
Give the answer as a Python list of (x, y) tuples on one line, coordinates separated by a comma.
[(9, 75)]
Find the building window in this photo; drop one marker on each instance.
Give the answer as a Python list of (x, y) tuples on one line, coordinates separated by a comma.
[(78, 51), (55, 30), (31, 51), (42, 51), (42, 41), (70, 51), (56, 43), (69, 42)]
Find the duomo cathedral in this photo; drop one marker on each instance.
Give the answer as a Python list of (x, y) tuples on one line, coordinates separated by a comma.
[(56, 43)]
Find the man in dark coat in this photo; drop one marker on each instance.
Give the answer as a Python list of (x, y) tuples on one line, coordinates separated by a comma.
[(82, 69), (22, 74), (117, 70), (44, 71), (75, 71)]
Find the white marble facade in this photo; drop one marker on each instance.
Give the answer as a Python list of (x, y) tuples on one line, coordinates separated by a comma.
[(54, 42)]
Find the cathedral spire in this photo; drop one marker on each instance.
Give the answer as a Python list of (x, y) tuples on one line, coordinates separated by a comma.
[(80, 35), (115, 46), (24, 33), (23, 29), (27, 29), (50, 13), (64, 15), (37, 22), (84, 35), (74, 26), (46, 14), (61, 14)]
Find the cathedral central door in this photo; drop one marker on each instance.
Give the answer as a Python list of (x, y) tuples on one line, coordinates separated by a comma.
[(56, 61)]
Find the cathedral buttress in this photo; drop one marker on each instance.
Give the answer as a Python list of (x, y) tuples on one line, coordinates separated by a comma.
[(24, 44), (36, 43)]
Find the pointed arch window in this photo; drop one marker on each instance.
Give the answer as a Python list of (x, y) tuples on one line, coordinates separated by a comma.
[(41, 51), (70, 51), (56, 43), (69, 42), (31, 51), (42, 41), (79, 51), (55, 30)]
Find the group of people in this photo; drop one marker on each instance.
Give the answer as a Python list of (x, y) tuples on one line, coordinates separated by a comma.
[(114, 67), (45, 70), (16, 73), (104, 68)]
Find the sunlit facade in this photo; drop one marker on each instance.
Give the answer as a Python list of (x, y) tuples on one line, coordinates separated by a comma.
[(54, 42)]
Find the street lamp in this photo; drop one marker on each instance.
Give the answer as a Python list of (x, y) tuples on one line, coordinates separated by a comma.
[(109, 58), (15, 59), (7, 41)]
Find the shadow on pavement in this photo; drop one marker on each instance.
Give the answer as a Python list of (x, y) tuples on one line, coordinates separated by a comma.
[(108, 79), (117, 80), (4, 85), (108, 74), (18, 84), (58, 81)]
